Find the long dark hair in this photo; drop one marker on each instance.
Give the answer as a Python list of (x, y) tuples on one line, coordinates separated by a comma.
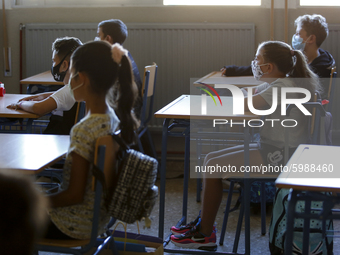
[(95, 59), (290, 62)]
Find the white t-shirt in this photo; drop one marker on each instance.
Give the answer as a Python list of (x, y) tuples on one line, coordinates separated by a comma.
[(63, 99)]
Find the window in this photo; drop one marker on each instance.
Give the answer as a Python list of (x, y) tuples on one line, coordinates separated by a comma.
[(319, 3), (213, 2), (84, 3)]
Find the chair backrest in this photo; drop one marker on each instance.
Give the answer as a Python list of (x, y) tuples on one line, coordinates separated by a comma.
[(105, 158), (148, 91), (106, 161), (316, 128), (312, 120), (80, 112), (331, 88)]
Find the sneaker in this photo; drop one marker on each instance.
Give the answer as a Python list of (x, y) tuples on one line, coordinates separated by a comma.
[(194, 239), (184, 228)]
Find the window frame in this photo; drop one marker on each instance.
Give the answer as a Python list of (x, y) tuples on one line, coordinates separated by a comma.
[(318, 6), (243, 5), (85, 3)]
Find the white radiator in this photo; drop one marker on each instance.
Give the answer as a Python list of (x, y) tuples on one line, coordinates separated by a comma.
[(181, 50)]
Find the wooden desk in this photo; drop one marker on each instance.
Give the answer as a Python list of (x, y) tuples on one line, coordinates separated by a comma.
[(216, 78), (8, 99), (189, 107), (29, 153), (306, 186), (184, 108), (319, 155), (44, 79)]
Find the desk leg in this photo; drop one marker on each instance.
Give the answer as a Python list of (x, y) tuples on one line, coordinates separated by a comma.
[(163, 178), (306, 227), (186, 178), (29, 126), (246, 192), (290, 222)]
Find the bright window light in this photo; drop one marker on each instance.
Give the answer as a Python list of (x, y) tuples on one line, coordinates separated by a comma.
[(213, 2), (319, 3)]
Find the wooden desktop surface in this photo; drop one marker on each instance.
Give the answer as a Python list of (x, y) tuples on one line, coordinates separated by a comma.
[(8, 99), (306, 155), (44, 78), (189, 107), (216, 77), (30, 153)]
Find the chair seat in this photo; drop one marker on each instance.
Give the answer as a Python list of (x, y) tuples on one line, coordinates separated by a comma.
[(64, 243)]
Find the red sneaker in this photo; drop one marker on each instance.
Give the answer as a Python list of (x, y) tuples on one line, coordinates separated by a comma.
[(194, 239)]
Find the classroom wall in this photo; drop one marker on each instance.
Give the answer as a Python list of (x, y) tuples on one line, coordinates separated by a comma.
[(258, 15), (173, 14)]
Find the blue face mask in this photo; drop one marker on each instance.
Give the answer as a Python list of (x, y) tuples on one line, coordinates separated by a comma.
[(297, 43)]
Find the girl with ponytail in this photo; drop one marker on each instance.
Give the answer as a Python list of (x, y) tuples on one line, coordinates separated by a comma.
[(95, 68), (279, 66)]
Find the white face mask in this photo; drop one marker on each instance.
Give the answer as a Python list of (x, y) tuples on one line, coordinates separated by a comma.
[(297, 43), (257, 72), (73, 89)]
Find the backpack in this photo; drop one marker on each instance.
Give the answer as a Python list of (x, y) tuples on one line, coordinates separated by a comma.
[(277, 228), (134, 193), (255, 192)]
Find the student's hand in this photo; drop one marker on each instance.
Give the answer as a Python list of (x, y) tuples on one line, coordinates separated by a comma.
[(223, 70), (14, 106)]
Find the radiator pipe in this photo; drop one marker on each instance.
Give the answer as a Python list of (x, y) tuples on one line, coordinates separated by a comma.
[(21, 26)]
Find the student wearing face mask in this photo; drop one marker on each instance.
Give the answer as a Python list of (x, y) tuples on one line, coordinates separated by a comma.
[(311, 31), (112, 31), (279, 65), (72, 207), (60, 103)]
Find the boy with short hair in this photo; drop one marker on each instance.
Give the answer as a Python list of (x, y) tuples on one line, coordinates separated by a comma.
[(311, 31)]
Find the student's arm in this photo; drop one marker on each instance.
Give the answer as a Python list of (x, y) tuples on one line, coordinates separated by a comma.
[(38, 107), (234, 70), (37, 97), (75, 192)]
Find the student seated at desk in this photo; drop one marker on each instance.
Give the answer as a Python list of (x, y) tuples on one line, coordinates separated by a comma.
[(22, 216), (311, 31), (277, 63), (61, 105), (112, 31), (95, 68)]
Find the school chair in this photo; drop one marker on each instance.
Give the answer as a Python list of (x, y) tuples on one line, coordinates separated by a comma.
[(148, 93), (314, 128), (81, 111), (105, 157), (331, 89)]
